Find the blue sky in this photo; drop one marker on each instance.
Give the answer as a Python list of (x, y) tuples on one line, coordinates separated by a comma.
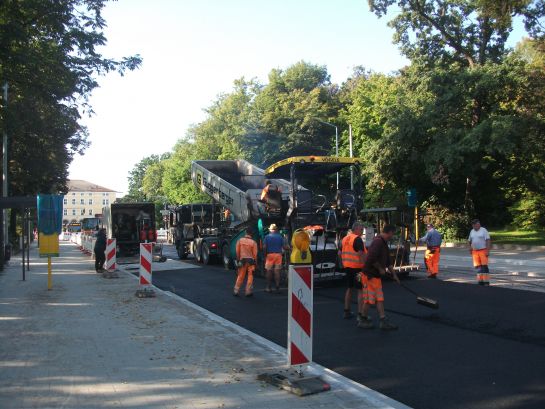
[(193, 50)]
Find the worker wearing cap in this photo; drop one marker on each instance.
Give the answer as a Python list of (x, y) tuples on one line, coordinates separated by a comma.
[(479, 242), (352, 256), (273, 246), (433, 240), (377, 264), (246, 249)]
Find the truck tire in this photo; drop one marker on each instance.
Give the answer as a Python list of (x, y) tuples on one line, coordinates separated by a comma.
[(197, 252), (205, 254), (226, 257), (181, 252)]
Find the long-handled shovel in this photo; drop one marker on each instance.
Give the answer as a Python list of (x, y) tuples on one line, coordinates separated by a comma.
[(426, 302)]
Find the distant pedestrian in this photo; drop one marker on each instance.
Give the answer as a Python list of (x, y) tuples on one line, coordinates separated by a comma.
[(433, 242), (377, 264), (246, 260), (353, 254), (100, 249), (479, 242), (273, 247)]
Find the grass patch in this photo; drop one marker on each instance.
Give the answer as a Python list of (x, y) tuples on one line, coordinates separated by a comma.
[(531, 238)]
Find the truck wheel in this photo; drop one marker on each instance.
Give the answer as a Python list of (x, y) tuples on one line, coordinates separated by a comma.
[(198, 254), (205, 253), (181, 253), (226, 257)]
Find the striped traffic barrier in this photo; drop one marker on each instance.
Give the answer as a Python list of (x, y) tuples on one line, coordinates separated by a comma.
[(300, 306), (145, 271), (111, 255)]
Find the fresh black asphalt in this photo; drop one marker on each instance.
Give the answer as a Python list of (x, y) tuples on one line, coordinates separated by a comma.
[(483, 348)]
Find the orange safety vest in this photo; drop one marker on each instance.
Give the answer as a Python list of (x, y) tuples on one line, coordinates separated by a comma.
[(246, 248), (349, 257)]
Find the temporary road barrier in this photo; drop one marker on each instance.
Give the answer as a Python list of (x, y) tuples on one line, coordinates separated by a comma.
[(146, 263), (300, 305), (111, 255)]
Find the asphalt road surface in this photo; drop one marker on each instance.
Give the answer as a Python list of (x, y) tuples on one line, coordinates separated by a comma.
[(484, 347)]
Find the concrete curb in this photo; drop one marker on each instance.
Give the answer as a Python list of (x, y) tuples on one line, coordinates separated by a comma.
[(337, 381)]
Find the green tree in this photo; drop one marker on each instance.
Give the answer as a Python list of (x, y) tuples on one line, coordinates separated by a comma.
[(461, 122), (287, 114), (49, 56), (136, 177)]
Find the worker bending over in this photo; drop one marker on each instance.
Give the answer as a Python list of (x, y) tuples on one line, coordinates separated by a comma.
[(433, 241), (377, 263), (273, 247), (479, 242), (246, 261), (352, 256)]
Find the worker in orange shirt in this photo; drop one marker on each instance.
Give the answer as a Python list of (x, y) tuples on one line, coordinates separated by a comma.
[(353, 253), (246, 261)]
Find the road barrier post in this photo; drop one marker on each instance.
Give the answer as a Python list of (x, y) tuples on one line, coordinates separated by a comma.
[(111, 259), (300, 306), (145, 272)]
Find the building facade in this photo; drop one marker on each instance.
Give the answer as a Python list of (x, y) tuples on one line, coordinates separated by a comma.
[(85, 199)]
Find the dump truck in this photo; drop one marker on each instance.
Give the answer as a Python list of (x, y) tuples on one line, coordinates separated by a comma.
[(237, 185), (130, 224), (234, 186)]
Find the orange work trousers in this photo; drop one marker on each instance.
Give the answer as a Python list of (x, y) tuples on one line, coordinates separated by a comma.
[(431, 257), (480, 262), (242, 271)]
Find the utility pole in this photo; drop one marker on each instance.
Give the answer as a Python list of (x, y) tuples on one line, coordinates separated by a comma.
[(351, 155), (4, 224)]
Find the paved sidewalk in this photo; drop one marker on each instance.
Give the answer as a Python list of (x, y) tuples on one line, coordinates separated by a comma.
[(90, 343)]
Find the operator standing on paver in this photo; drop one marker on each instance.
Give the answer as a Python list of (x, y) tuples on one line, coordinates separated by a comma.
[(433, 241), (273, 247), (246, 260), (479, 241), (352, 254), (100, 249), (378, 261)]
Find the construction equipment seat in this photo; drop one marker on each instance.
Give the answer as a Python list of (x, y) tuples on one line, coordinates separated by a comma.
[(346, 199)]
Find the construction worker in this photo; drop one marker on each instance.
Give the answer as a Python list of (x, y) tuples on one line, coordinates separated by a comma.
[(269, 186), (246, 260), (352, 256), (273, 247), (377, 264), (100, 249), (433, 240), (479, 248)]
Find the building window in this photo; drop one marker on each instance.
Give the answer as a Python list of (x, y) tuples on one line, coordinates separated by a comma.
[(90, 194), (83, 212), (65, 212), (73, 194), (82, 201), (65, 201), (73, 201), (90, 201), (103, 202), (107, 201), (82, 193), (90, 212), (73, 212)]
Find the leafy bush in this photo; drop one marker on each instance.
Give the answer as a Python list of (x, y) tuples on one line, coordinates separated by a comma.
[(453, 224), (529, 212)]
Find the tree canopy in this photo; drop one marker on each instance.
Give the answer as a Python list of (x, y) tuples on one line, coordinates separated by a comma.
[(462, 123), (50, 59)]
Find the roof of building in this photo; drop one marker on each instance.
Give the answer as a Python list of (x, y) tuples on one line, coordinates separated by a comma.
[(76, 185)]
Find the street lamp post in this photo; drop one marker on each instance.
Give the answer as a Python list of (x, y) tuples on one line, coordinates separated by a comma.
[(336, 142)]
